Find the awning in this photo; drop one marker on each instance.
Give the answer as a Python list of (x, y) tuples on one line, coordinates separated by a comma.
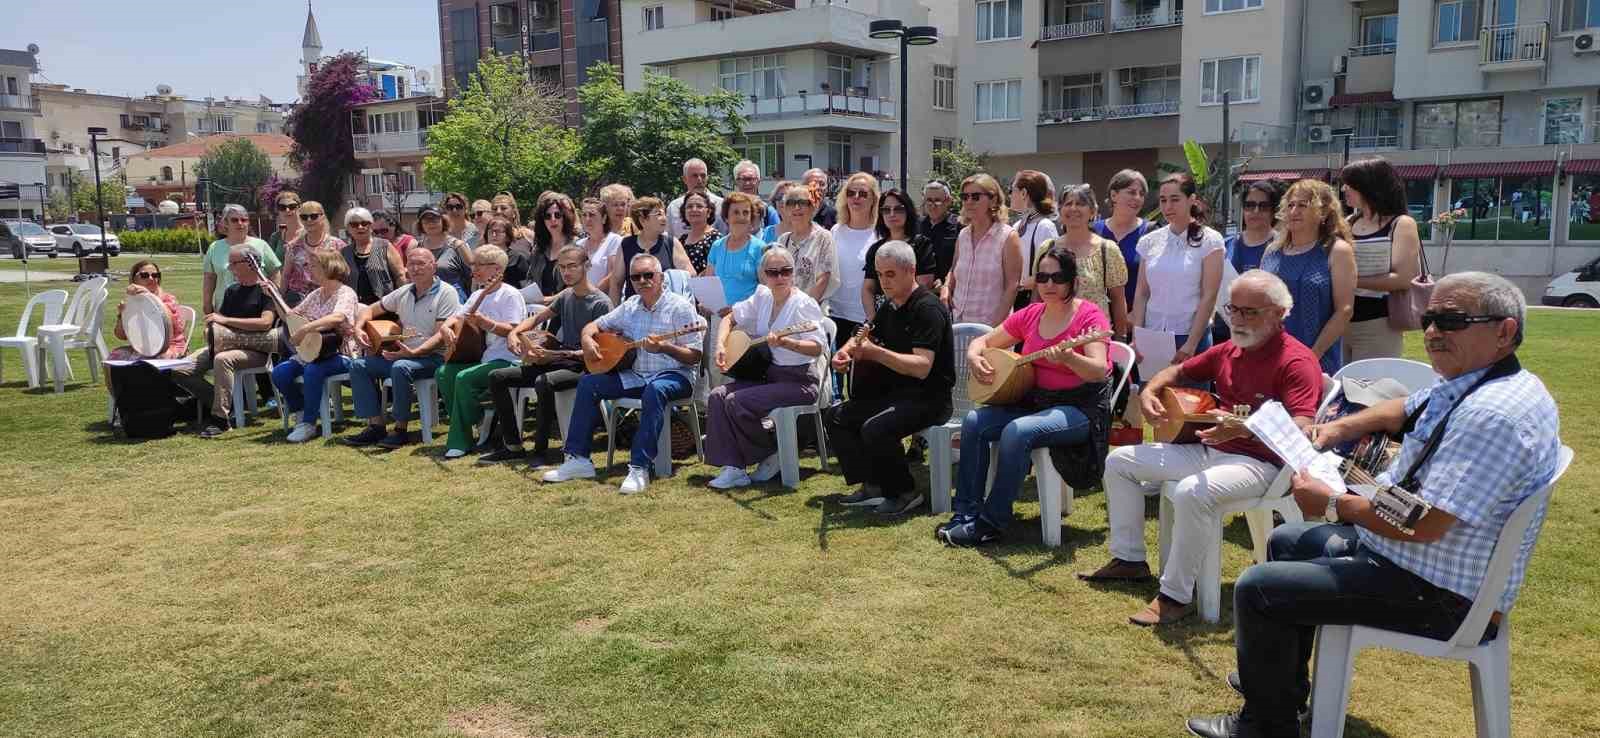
[(1417, 171), (1287, 176), (1502, 169), (1361, 98), (1583, 166)]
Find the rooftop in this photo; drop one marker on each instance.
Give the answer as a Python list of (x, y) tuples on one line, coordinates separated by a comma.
[(271, 144)]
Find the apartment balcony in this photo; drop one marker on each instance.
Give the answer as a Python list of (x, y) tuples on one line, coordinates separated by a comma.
[(22, 146), (20, 104), (832, 27), (385, 143), (1091, 27), (1109, 112), (1369, 68), (821, 110), (1514, 47), (1154, 19), (1109, 127)]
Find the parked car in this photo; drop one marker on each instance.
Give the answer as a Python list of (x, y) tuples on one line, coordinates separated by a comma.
[(1577, 288), (80, 239), (20, 235)]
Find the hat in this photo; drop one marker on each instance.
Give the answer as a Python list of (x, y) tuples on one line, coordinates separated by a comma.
[(428, 210), (1370, 392)]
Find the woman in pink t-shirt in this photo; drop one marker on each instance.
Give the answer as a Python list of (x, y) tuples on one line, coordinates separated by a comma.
[(1065, 405)]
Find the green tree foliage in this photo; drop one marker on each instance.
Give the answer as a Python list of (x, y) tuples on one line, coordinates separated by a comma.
[(955, 164), (1210, 183), (642, 137), (237, 169), (503, 133)]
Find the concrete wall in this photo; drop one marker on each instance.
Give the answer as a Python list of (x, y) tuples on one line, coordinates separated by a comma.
[(999, 60), (1271, 31)]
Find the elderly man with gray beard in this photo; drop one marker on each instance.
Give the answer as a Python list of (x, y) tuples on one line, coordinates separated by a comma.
[(1261, 363)]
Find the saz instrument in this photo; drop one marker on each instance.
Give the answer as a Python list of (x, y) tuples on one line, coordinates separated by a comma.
[(616, 351), (310, 347), (470, 339), (866, 377), (147, 324), (1188, 411), (382, 333), (541, 343), (1013, 373), (751, 365)]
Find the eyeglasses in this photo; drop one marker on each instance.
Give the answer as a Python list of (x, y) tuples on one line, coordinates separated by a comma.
[(1451, 322), (1056, 277), (797, 203), (779, 272), (642, 277), (455, 206), (857, 194), (935, 200), (973, 196), (555, 216), (1242, 311), (1257, 205), (288, 206), (892, 210), (149, 275), (308, 217), (240, 221), (380, 231), (479, 213)]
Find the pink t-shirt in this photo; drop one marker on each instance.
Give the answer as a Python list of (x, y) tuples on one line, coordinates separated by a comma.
[(1048, 375)]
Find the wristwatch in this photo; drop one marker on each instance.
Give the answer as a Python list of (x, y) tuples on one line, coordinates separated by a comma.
[(1331, 514)]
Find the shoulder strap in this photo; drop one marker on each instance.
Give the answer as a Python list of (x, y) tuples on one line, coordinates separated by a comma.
[(1503, 368)]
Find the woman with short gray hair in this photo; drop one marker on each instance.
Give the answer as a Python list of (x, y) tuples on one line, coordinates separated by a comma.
[(374, 265), (217, 277)]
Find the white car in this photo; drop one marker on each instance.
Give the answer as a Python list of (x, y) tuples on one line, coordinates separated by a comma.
[(1577, 288), (79, 239)]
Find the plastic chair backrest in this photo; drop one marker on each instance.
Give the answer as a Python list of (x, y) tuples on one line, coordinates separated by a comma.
[(94, 307), (1415, 375), (189, 315), (824, 370), (1123, 358), (965, 334), (80, 296), (1497, 577), (54, 303)]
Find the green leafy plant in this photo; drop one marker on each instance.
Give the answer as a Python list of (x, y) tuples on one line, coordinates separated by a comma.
[(164, 241), (955, 164), (642, 137)]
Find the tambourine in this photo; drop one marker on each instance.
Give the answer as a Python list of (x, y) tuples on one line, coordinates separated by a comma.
[(147, 324)]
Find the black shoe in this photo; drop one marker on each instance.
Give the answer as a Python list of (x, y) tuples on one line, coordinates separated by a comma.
[(1218, 726), (213, 430), (974, 532), (501, 455), (862, 498), (368, 436), (1304, 712), (901, 504), (955, 520), (397, 440)]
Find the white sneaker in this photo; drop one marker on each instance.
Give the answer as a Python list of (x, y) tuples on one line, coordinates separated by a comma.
[(574, 467), (638, 479), (767, 469), (302, 432), (731, 476), (454, 453)]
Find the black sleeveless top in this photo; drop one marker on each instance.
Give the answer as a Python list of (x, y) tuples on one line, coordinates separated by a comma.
[(662, 250)]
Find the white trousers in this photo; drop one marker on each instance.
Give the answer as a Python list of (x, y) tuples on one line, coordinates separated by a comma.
[(1205, 479)]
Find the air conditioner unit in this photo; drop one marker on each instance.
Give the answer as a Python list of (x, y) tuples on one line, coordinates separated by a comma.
[(1315, 94), (502, 15), (1127, 77), (1584, 43), (1319, 134), (1341, 64)]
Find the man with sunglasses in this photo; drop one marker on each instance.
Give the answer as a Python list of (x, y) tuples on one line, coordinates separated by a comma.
[(1262, 362), (695, 179), (663, 371), (1474, 446)]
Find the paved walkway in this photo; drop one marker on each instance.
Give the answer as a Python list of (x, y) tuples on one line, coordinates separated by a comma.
[(7, 275)]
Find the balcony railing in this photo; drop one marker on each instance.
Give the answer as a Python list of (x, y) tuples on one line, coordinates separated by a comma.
[(1367, 143), (1073, 30), (1109, 112), (21, 146), (1373, 49), (1154, 19), (1514, 47), (820, 103), (25, 103), (402, 141)]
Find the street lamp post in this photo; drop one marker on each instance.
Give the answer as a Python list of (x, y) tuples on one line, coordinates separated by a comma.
[(909, 36), (95, 132)]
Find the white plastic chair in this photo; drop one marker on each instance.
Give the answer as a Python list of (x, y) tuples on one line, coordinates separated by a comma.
[(56, 340), (1414, 375), (189, 316), (54, 304), (332, 402), (427, 392), (73, 320), (786, 420), (663, 457), (940, 458), (244, 394), (1489, 664)]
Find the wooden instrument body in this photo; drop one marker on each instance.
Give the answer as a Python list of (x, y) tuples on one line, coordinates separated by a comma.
[(743, 363), (384, 334), (540, 342), (470, 340), (309, 349), (1188, 411), (1012, 379), (616, 352), (147, 324), (868, 378)]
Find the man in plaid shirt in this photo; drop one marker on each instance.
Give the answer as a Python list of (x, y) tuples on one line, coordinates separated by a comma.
[(1499, 446)]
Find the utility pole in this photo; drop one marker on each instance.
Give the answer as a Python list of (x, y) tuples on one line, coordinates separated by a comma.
[(1227, 161)]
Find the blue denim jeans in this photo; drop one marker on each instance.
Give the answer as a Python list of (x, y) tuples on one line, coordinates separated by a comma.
[(306, 397), (654, 395), (368, 372), (1018, 432), (1318, 574)]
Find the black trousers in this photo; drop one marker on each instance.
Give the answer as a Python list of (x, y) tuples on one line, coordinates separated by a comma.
[(546, 380), (866, 433)]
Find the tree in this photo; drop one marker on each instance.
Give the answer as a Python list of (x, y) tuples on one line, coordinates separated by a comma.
[(1211, 186), (113, 193), (956, 163), (643, 137), (320, 126), (237, 169), (504, 133)]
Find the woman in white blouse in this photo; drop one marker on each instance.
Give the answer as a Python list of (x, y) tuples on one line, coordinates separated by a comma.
[(735, 438), (854, 233), (1181, 270), (1033, 199)]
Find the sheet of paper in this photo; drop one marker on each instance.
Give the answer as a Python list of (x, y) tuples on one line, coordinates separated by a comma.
[(708, 292), (1157, 349), (531, 293), (1272, 425), (162, 364)]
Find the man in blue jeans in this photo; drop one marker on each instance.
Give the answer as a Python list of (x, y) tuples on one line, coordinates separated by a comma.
[(422, 306), (664, 370), (1476, 445)]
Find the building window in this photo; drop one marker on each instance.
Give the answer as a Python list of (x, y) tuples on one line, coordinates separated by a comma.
[(166, 174), (761, 76), (1151, 85), (548, 77), (1377, 127), (1447, 125), (10, 129), (1577, 15), (1419, 203), (655, 18), (719, 13), (1073, 11), (594, 34), (1583, 212), (504, 30), (765, 149), (1228, 6), (1076, 94), (11, 86), (999, 19), (839, 152), (463, 45), (1455, 21), (944, 144), (1241, 74), (1502, 208), (944, 87), (1000, 100), (374, 184), (841, 73), (1379, 34), (398, 122), (1563, 120), (544, 25)]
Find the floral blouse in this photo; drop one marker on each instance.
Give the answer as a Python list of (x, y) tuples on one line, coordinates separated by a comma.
[(700, 250), (319, 304), (297, 261)]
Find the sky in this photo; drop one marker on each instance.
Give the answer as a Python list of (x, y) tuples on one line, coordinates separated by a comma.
[(234, 48)]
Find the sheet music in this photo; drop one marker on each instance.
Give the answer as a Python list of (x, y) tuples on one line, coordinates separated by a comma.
[(708, 291), (1272, 425), (162, 364), (1156, 349), (532, 294)]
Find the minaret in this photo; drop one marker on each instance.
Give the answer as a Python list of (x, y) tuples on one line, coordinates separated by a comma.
[(310, 49)]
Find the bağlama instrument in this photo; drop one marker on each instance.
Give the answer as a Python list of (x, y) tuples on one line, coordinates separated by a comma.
[(1013, 373), (616, 351), (1188, 411)]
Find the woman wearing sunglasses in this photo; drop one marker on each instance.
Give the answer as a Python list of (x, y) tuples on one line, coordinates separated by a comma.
[(375, 268), (735, 437), (314, 238), (457, 224), (554, 228), (988, 263), (387, 227), (145, 277), (1068, 406), (857, 205), (286, 208), (897, 221)]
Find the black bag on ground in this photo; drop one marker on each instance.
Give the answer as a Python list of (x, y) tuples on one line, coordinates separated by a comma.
[(146, 400)]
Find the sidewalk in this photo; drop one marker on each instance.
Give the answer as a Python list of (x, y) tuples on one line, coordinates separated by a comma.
[(38, 275)]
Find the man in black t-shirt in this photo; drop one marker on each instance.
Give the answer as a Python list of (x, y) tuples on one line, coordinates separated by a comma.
[(940, 226), (901, 384), (245, 310)]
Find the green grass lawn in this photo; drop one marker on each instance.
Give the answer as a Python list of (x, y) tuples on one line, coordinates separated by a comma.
[(246, 587)]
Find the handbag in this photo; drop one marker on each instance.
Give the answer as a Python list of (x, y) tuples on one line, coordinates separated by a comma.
[(1406, 306)]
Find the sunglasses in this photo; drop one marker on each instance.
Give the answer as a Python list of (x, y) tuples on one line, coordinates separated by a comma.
[(780, 272), (308, 217), (240, 221), (892, 210), (554, 216), (935, 200), (1242, 311), (643, 277), (479, 213), (1056, 277), (358, 224), (857, 194), (288, 206), (380, 231), (973, 196), (1451, 322), (149, 275), (1257, 205), (797, 203), (455, 206)]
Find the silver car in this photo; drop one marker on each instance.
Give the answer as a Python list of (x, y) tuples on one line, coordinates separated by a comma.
[(30, 236), (79, 239)]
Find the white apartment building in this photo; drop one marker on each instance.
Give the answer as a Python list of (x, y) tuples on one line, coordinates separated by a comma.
[(22, 153), (818, 91)]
